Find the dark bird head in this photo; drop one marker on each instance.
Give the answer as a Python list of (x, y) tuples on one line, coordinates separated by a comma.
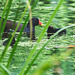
[(50, 28), (35, 22)]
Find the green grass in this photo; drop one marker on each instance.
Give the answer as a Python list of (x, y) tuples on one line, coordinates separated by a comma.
[(35, 54)]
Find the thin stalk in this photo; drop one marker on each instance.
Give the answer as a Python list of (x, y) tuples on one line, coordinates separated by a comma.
[(4, 70), (3, 15), (30, 16), (3, 53), (40, 38), (15, 17), (8, 5), (35, 3)]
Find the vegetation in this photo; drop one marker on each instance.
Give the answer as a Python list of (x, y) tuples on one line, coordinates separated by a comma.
[(55, 56)]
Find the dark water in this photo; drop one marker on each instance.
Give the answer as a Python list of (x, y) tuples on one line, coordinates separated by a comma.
[(64, 17)]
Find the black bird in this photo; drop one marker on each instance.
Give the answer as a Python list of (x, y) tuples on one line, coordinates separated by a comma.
[(35, 22), (51, 31)]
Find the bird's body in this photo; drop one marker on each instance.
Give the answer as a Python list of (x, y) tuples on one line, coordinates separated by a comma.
[(10, 25)]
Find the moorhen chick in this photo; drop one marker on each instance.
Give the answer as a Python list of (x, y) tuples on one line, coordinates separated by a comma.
[(51, 31)]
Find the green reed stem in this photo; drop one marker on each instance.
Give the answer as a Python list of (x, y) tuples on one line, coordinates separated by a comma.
[(30, 17), (9, 5), (40, 38), (7, 10), (35, 3), (3, 14), (4, 70)]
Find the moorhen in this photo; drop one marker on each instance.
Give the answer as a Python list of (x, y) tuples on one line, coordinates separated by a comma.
[(51, 31), (35, 22)]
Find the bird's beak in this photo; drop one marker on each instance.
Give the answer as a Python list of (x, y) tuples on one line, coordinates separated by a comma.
[(40, 23)]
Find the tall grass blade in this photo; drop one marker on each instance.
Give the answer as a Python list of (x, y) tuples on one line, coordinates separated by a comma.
[(3, 16), (4, 70), (3, 53), (30, 16), (35, 3), (8, 5)]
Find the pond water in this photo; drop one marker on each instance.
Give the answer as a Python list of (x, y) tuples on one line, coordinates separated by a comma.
[(64, 17)]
